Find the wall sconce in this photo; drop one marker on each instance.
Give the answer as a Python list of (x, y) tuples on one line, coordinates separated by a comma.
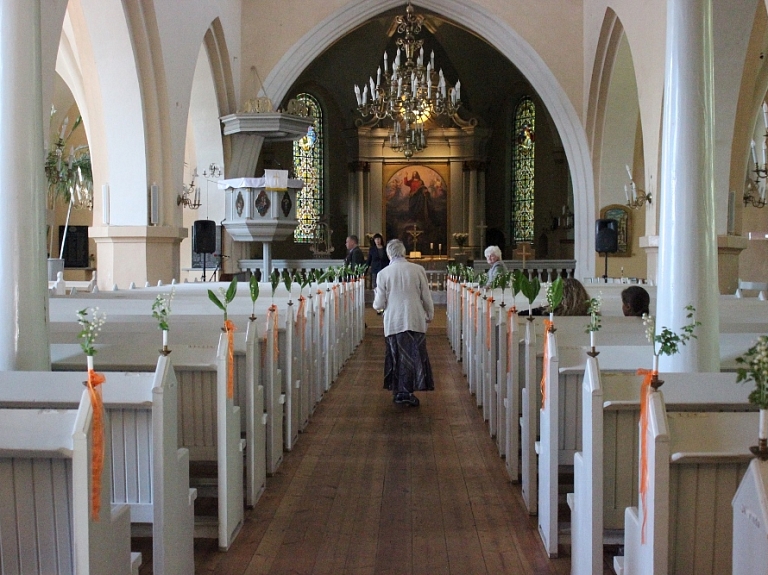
[(635, 196), (214, 171), (754, 194), (190, 196)]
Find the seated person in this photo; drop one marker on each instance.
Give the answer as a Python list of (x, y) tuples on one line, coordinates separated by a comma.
[(575, 301), (635, 301), (493, 257)]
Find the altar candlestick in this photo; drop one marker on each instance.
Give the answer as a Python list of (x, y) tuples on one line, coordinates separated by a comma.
[(165, 338), (592, 339), (763, 434)]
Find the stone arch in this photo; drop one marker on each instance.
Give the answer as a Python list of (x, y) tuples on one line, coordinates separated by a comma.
[(509, 43)]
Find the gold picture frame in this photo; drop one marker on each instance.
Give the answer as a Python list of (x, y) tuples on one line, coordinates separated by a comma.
[(623, 215)]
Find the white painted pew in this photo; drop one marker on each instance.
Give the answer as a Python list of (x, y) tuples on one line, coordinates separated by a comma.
[(49, 529), (695, 464), (605, 471), (209, 423), (150, 473), (750, 521)]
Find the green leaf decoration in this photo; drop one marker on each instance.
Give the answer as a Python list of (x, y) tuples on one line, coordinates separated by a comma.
[(555, 293), (215, 299), (274, 279), (530, 288), (287, 279), (254, 289), (517, 281), (231, 290)]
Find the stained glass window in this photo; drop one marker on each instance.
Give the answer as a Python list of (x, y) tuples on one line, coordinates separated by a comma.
[(308, 166), (524, 151)]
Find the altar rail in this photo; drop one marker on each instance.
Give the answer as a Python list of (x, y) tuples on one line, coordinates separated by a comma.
[(545, 270), (255, 266)]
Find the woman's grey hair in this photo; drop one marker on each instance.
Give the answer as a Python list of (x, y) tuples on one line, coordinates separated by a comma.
[(395, 249), (493, 250)]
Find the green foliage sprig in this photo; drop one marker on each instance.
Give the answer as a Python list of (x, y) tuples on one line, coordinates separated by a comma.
[(226, 296), (90, 328), (667, 342), (529, 287), (594, 305), (274, 279), (161, 309), (253, 289), (554, 294), (755, 361)]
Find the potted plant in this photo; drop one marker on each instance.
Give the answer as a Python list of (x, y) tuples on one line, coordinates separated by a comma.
[(70, 179), (755, 362)]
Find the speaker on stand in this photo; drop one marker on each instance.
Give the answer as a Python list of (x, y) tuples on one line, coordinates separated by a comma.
[(606, 240), (204, 239)]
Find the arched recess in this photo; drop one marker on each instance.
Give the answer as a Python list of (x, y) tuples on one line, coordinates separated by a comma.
[(615, 132), (203, 145), (113, 104), (507, 41)]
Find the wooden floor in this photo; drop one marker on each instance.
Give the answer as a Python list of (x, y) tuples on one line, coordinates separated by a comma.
[(377, 488)]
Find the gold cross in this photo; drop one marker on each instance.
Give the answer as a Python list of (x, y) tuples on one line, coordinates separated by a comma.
[(523, 252)]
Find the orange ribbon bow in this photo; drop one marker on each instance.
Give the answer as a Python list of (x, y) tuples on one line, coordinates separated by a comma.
[(97, 447), (229, 327), (547, 324), (645, 394)]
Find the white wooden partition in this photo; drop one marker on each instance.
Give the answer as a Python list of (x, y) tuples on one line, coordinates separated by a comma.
[(150, 474), (606, 470), (530, 410), (49, 529), (208, 422), (695, 464), (255, 419), (274, 398), (547, 448), (750, 521)]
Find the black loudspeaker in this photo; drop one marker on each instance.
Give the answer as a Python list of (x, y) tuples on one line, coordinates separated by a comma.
[(606, 236), (204, 237)]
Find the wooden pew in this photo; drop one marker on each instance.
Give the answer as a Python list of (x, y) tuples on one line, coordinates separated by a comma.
[(49, 529), (695, 464), (605, 470), (150, 474), (208, 423)]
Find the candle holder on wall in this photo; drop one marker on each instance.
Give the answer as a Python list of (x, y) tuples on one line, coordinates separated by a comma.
[(190, 195), (635, 196)]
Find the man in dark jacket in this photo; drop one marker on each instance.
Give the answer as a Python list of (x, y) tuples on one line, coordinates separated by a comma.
[(354, 253)]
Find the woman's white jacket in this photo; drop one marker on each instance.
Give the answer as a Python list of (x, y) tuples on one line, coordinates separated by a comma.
[(402, 291)]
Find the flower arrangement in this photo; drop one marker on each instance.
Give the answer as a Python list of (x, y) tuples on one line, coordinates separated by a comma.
[(502, 280), (161, 311), (667, 342), (90, 328), (530, 289), (226, 297), (554, 294), (755, 362), (593, 306), (461, 239)]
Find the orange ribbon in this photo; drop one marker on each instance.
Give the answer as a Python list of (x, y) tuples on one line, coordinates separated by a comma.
[(547, 324), (336, 302), (645, 396), (301, 319), (320, 307), (272, 313), (97, 444), (488, 325), (511, 315), (474, 307), (229, 327)]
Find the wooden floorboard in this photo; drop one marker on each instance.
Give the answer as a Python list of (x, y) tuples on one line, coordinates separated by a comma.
[(376, 488)]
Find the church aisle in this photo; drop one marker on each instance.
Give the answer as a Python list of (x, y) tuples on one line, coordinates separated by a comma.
[(377, 488)]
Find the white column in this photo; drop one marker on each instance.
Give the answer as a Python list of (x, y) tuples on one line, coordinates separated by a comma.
[(687, 241), (23, 283), (266, 264), (472, 210), (361, 207)]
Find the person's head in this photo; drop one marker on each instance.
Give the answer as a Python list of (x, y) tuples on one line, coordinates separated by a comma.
[(575, 299), (395, 249), (416, 176), (492, 254), (635, 301), (378, 240), (351, 242)]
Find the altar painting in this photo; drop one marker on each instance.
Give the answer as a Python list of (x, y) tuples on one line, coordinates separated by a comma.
[(416, 200)]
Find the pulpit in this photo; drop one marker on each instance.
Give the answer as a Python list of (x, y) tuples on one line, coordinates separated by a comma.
[(261, 210)]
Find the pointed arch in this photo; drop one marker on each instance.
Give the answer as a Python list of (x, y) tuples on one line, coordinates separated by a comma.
[(509, 43)]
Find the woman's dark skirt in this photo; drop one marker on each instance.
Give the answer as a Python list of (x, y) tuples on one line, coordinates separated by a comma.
[(406, 363)]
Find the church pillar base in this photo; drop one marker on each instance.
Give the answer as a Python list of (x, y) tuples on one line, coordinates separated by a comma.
[(137, 254), (728, 250), (650, 244)]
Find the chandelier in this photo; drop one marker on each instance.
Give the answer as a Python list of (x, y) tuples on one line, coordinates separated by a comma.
[(409, 93)]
